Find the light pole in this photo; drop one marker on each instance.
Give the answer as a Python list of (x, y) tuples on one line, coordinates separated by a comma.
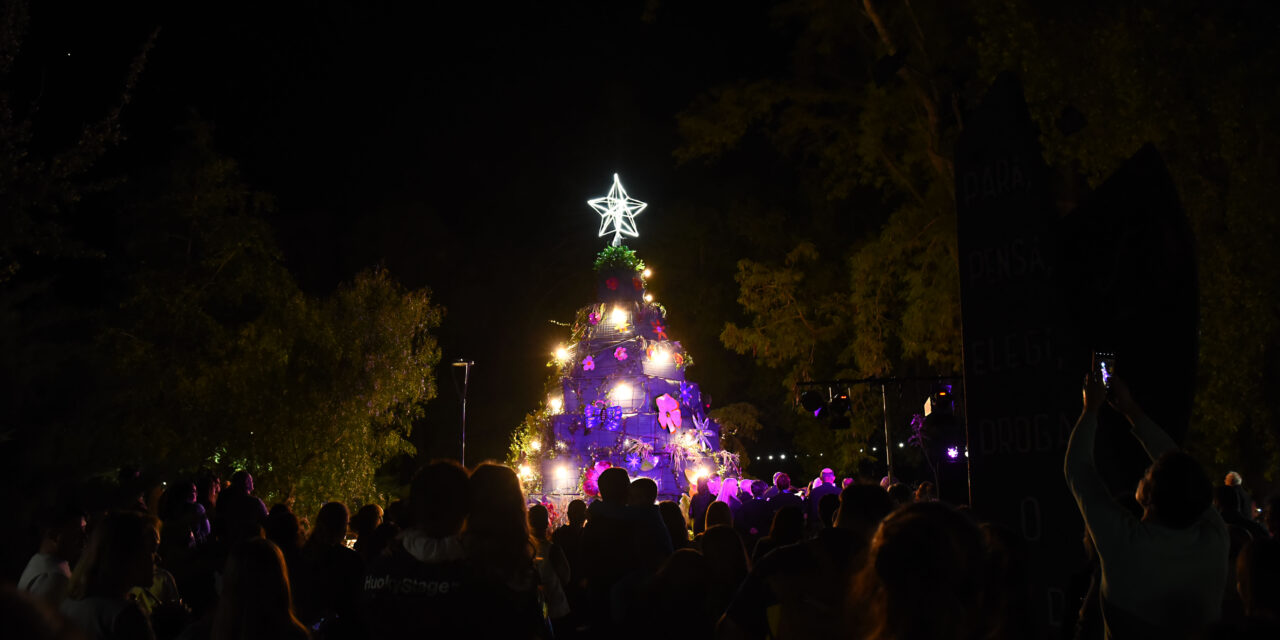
[(466, 378)]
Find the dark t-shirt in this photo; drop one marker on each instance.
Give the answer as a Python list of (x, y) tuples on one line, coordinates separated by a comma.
[(332, 580), (403, 596), (781, 500), (815, 498)]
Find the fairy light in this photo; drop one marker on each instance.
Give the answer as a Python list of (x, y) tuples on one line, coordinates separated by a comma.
[(525, 471), (618, 317), (648, 297), (646, 273), (562, 473), (556, 404), (621, 393), (562, 354), (536, 445), (660, 356)]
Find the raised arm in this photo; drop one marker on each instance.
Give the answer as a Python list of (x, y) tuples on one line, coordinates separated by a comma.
[(1153, 438), (1107, 521)]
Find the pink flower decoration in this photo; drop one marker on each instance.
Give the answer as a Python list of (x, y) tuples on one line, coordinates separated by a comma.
[(679, 358), (668, 412), (612, 283), (593, 318), (620, 353), (588, 364)]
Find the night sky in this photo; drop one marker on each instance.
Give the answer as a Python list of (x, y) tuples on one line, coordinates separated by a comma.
[(454, 144)]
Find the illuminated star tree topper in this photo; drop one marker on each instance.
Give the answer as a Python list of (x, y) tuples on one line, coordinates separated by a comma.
[(618, 212)]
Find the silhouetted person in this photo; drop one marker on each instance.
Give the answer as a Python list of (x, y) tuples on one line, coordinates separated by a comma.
[(1227, 501), (331, 577), (240, 513), (548, 551), (507, 585), (826, 488), (698, 504), (784, 497), (363, 524), (901, 493), (755, 515), (1163, 575), (283, 529), (726, 554), (1258, 571), (677, 528), (787, 528), (256, 601), (796, 590), (417, 584), (62, 539), (642, 505), (682, 591), (120, 555), (922, 578), (610, 542)]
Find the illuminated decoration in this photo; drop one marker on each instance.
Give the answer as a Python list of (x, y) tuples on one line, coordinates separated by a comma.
[(633, 461), (562, 354), (659, 330), (525, 472), (621, 394), (556, 404), (562, 473), (588, 363), (648, 297), (646, 273), (702, 432), (593, 318), (536, 445), (620, 353), (612, 418), (953, 452), (619, 318), (668, 412), (618, 213)]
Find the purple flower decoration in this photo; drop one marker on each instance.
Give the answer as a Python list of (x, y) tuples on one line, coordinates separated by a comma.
[(588, 364), (593, 318), (620, 353), (633, 461)]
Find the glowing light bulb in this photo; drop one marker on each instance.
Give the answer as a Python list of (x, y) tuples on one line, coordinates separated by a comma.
[(556, 403), (618, 317), (535, 445), (562, 354), (562, 473), (646, 273), (783, 456), (901, 445), (953, 452), (525, 471), (701, 472), (648, 297), (660, 356), (622, 393)]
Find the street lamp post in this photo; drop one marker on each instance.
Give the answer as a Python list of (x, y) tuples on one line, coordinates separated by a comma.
[(466, 378)]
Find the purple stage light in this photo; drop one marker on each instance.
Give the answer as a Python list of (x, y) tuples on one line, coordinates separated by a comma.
[(953, 452)]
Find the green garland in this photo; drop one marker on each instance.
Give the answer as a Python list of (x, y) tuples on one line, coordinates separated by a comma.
[(617, 258)]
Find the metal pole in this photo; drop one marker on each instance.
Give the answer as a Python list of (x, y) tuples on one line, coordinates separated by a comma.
[(888, 450), (466, 379)]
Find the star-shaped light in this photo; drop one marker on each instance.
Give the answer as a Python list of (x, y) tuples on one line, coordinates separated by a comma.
[(618, 212)]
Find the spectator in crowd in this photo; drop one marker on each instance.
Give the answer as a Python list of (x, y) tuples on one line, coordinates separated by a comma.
[(1008, 593), (61, 540), (610, 544), (718, 514), (729, 495), (1227, 501), (797, 590), (240, 513), (698, 504), (568, 537), (256, 602), (677, 528), (844, 484), (502, 556), (923, 553), (1271, 518), (283, 529), (682, 590), (120, 555), (787, 528), (784, 497), (726, 554), (363, 524), (1244, 500), (392, 519), (826, 487), (24, 616), (418, 583), (332, 576), (1164, 574), (208, 488), (643, 508), (756, 514), (827, 510), (926, 492), (901, 493), (1258, 571), (548, 550), (772, 490)]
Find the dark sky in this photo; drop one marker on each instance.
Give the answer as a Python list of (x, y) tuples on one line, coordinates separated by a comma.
[(456, 144)]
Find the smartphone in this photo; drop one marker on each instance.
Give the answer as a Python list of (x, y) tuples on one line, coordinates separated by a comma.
[(1104, 366)]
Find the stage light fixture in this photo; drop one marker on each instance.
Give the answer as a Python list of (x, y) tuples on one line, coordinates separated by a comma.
[(813, 402)]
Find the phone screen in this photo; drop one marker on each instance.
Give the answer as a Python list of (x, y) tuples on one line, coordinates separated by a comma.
[(1105, 366)]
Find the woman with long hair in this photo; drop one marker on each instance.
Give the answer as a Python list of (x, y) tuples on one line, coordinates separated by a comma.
[(256, 601), (502, 553), (923, 578), (332, 576), (120, 555)]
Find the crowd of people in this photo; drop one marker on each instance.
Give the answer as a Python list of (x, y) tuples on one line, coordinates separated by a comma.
[(467, 554)]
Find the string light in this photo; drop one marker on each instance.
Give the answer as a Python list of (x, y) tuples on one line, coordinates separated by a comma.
[(556, 403), (562, 354), (535, 445), (648, 297), (646, 273)]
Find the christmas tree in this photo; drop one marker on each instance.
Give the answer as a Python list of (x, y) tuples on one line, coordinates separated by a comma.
[(618, 394)]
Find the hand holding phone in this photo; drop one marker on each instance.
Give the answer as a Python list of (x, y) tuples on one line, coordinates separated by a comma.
[(1104, 367)]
